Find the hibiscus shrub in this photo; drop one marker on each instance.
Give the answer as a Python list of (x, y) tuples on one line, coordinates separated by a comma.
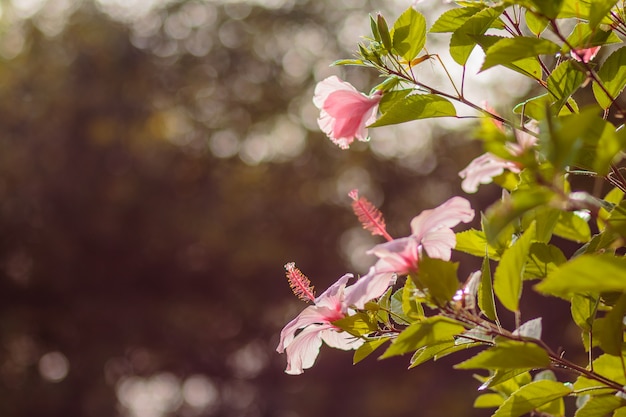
[(411, 300)]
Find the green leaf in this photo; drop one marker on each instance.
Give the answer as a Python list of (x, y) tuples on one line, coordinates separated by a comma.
[(507, 283), (486, 299), (367, 349), (610, 328), (547, 8), (542, 259), (572, 227), (584, 308), (490, 400), (410, 305), (423, 333), (620, 412), (463, 39), (599, 11), (545, 219), (609, 367), (508, 355), (536, 107), (439, 278), (474, 242), (506, 382), (586, 273), (583, 36), (358, 62), (437, 351), (613, 77), (532, 396), (536, 24), (414, 107), (617, 219), (392, 98), (564, 81), (529, 67), (452, 19), (509, 50), (599, 406), (383, 31), (357, 324), (409, 34)]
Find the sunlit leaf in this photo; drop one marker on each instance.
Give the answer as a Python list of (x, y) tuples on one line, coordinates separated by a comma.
[(586, 273), (368, 348), (610, 328), (599, 11), (564, 81), (572, 227), (485, 296), (536, 24), (508, 355), (474, 242), (439, 278), (542, 259), (357, 324), (532, 396), (607, 366), (491, 400), (414, 107), (584, 307), (612, 73), (463, 39), (507, 283), (410, 306), (383, 31), (423, 333), (599, 406), (514, 49), (409, 34), (452, 19), (583, 36)]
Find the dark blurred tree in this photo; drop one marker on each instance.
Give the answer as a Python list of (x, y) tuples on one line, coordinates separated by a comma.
[(155, 175)]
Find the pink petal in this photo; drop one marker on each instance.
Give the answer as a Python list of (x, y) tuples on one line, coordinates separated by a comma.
[(344, 112), (370, 286), (301, 354), (448, 214), (439, 243), (341, 340), (482, 170)]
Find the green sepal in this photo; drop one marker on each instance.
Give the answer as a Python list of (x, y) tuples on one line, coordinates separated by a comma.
[(383, 31)]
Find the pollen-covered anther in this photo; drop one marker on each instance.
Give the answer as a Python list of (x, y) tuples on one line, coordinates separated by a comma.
[(299, 283)]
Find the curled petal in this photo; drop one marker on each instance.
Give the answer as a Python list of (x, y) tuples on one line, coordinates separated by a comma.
[(370, 286), (301, 354), (447, 215), (482, 170)]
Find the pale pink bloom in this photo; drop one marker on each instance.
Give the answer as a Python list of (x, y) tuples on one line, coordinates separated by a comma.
[(482, 170), (431, 232), (344, 112), (585, 55), (302, 337)]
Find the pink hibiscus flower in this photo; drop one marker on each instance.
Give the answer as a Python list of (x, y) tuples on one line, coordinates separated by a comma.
[(344, 112), (585, 55), (431, 232), (302, 337), (483, 169)]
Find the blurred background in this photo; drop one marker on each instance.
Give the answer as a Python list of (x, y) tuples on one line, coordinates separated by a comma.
[(160, 162)]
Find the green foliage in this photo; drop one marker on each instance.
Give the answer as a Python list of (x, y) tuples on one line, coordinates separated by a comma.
[(508, 355), (531, 397), (509, 50), (612, 75), (409, 34), (463, 39), (414, 107)]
